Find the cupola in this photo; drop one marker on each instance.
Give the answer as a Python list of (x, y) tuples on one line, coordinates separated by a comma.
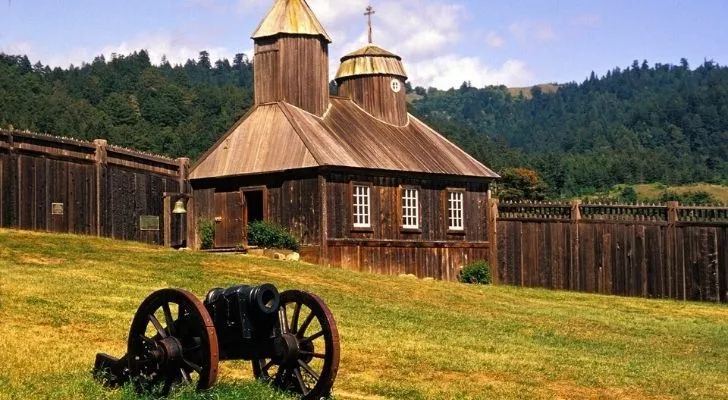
[(292, 58), (375, 79)]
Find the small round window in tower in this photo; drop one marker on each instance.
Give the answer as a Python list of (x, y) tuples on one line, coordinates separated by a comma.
[(396, 85)]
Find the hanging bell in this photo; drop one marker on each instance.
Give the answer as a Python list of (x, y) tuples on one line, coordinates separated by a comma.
[(179, 207)]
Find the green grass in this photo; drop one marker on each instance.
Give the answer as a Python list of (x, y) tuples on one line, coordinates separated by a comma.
[(64, 298)]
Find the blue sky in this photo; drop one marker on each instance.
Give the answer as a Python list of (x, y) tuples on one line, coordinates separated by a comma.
[(443, 42)]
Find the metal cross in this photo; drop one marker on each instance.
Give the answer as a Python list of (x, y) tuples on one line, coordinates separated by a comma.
[(369, 13)]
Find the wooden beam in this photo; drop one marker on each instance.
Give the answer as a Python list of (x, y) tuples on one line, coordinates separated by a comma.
[(493, 237), (407, 243)]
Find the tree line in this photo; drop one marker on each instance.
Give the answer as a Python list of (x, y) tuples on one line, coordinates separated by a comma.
[(660, 123)]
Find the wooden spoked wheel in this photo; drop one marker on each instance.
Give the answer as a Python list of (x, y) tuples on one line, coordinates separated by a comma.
[(311, 370), (172, 340)]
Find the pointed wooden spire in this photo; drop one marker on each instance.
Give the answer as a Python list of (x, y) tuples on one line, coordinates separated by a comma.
[(290, 17)]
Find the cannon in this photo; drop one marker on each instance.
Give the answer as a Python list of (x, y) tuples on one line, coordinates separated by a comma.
[(290, 337)]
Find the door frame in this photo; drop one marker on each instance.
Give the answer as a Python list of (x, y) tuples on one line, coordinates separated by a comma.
[(266, 216)]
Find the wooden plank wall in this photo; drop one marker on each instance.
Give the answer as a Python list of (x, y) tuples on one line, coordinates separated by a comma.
[(387, 248), (293, 202), (374, 94), (646, 251), (294, 69), (103, 189)]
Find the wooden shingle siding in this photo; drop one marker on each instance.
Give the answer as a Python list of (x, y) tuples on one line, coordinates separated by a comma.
[(278, 137), (290, 17)]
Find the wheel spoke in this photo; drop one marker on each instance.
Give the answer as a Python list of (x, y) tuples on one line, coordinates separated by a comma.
[(314, 337), (305, 325), (315, 355), (296, 314), (285, 328), (146, 339), (162, 332), (185, 375), (192, 365), (168, 319), (308, 369), (191, 349), (267, 366), (301, 383)]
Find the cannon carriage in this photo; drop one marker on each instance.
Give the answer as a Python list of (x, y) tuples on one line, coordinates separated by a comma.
[(290, 338)]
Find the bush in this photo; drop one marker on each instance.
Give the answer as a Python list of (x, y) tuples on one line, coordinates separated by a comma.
[(628, 194), (699, 197), (476, 273), (271, 235), (206, 230)]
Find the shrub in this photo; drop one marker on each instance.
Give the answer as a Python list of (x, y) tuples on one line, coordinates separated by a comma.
[(699, 197), (271, 235), (476, 273), (206, 230), (628, 194)]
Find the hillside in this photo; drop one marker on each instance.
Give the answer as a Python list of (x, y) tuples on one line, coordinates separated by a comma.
[(644, 123), (63, 298)]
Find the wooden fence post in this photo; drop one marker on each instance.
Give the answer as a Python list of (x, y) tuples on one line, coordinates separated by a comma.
[(100, 156), (574, 267), (671, 247), (12, 177), (184, 166), (493, 238)]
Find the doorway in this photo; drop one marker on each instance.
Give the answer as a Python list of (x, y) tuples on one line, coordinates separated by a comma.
[(254, 207)]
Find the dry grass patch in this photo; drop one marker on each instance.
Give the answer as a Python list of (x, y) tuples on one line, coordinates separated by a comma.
[(401, 339)]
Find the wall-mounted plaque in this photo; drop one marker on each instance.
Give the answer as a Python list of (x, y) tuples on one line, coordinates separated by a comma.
[(56, 208), (148, 222)]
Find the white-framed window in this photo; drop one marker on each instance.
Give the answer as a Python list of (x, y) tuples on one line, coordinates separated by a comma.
[(362, 206), (455, 211), (410, 208)]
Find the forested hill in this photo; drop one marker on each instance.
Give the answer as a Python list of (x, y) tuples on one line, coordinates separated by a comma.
[(170, 110), (643, 124), (665, 123)]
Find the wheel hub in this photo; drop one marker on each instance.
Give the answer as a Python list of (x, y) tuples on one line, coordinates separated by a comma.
[(290, 348)]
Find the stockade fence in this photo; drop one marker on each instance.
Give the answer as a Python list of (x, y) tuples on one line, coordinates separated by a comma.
[(655, 251), (65, 185)]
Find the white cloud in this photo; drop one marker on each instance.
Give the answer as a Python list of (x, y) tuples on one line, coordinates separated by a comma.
[(494, 40), (451, 71), (17, 48), (527, 30), (427, 36)]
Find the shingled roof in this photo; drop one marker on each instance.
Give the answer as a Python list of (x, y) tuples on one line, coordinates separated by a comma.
[(277, 137), (290, 17), (370, 60)]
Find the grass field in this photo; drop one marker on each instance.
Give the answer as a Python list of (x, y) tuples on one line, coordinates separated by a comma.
[(64, 298), (651, 192)]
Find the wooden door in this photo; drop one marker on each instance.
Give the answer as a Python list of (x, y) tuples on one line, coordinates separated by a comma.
[(228, 220)]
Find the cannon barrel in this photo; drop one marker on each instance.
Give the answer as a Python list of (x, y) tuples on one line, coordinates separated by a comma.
[(258, 301)]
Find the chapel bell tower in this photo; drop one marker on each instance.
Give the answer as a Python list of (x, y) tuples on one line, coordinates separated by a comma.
[(292, 58)]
